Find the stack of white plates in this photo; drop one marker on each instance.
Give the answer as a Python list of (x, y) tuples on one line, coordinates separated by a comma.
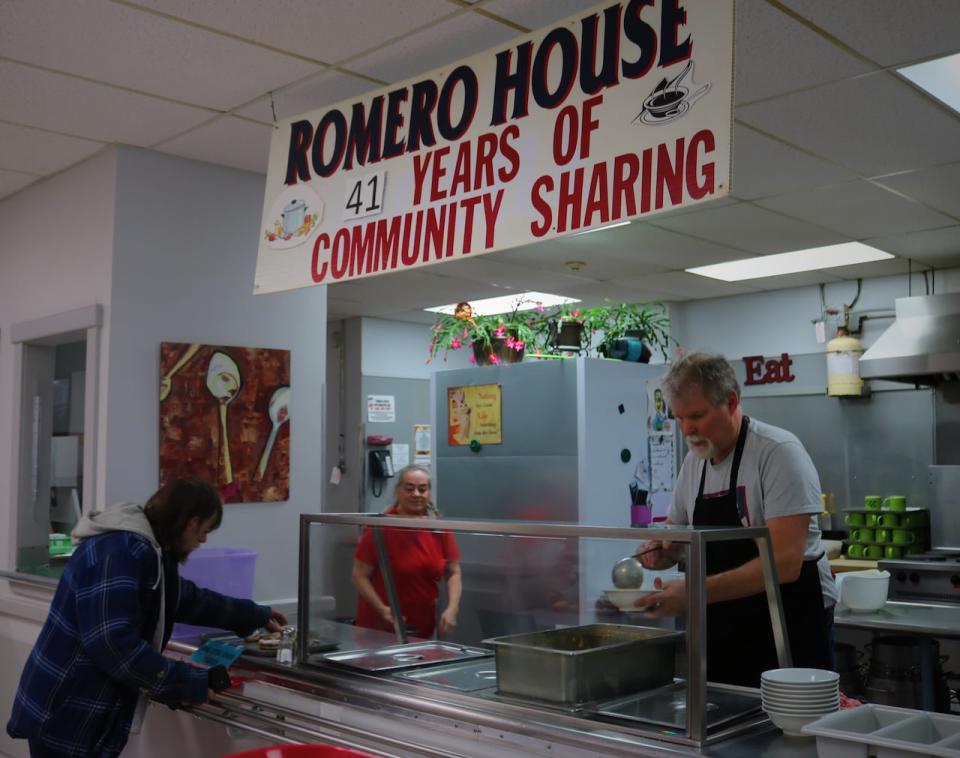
[(795, 697)]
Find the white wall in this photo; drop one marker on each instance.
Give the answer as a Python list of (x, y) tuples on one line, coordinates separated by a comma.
[(186, 245), (770, 323), (400, 349)]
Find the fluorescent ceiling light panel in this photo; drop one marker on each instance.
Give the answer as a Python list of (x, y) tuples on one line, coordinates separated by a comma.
[(940, 77), (603, 228), (846, 254), (524, 301)]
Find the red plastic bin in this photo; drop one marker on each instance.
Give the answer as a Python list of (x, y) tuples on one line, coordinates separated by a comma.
[(301, 751)]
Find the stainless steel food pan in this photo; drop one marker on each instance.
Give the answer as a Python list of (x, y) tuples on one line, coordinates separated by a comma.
[(585, 663), (411, 655)]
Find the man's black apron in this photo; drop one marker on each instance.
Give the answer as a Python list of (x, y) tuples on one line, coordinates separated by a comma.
[(739, 636)]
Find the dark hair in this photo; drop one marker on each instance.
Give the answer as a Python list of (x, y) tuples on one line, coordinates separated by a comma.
[(171, 508), (712, 373)]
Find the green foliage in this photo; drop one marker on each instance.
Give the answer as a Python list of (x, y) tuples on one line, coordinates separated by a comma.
[(613, 321), (518, 329)]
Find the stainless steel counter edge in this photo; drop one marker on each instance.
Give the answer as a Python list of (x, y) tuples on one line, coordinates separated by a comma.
[(412, 702), (932, 619)]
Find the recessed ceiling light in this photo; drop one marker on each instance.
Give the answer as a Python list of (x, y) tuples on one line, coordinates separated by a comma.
[(845, 254), (523, 301), (940, 77), (603, 228)]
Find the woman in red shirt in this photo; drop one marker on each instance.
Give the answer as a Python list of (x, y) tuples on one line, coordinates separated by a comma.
[(419, 559)]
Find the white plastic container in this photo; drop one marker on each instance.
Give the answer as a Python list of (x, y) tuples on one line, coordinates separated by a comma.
[(863, 591)]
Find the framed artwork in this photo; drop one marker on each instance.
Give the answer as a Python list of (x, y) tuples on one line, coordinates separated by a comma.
[(225, 417)]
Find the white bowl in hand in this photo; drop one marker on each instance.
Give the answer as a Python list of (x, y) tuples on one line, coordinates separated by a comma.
[(626, 600)]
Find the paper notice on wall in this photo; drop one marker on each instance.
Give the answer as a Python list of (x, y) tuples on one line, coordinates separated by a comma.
[(400, 454), (381, 408), (662, 463), (422, 440)]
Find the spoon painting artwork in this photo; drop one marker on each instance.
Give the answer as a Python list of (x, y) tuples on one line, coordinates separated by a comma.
[(223, 382), (279, 412)]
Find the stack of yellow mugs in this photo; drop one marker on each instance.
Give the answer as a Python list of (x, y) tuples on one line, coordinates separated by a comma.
[(886, 528)]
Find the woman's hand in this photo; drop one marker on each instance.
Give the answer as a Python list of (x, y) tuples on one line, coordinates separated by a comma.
[(386, 614), (448, 621), (276, 622)]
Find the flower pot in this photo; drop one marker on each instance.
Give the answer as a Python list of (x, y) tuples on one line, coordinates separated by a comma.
[(504, 352), (628, 348), (567, 335)]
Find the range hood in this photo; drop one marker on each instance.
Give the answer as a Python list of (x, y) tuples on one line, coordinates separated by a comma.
[(923, 344)]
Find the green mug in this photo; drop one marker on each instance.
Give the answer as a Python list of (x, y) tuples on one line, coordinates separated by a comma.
[(891, 520), (895, 503), (854, 551), (863, 535), (873, 502), (872, 519), (910, 520), (853, 519), (903, 537), (873, 552), (882, 535), (892, 552)]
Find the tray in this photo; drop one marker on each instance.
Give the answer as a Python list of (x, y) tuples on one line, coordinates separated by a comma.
[(667, 706), (885, 732), (411, 655), (465, 677), (585, 663)]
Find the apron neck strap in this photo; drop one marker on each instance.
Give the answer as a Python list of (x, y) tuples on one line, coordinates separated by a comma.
[(737, 455)]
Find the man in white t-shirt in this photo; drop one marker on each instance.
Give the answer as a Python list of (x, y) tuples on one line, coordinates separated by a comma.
[(742, 472)]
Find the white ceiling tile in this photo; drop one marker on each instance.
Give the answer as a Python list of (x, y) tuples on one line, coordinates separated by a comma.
[(751, 229), (858, 209), (322, 90), (777, 54), (875, 125), (887, 31), (755, 155), (448, 41), (537, 14), (937, 187), (37, 152), (874, 268), (160, 56), (51, 101), (329, 31), (667, 249), (14, 181), (228, 141), (638, 290), (937, 247), (681, 285), (516, 271)]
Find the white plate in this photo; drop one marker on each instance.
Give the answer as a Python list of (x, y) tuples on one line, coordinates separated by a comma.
[(799, 676), (788, 709), (793, 702), (624, 599), (801, 692)]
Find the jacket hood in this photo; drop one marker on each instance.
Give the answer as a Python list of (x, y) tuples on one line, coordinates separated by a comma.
[(122, 517)]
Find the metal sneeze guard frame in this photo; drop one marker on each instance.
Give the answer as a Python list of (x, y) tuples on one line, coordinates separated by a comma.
[(696, 537)]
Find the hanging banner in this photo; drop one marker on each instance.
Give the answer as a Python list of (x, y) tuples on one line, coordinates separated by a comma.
[(619, 112)]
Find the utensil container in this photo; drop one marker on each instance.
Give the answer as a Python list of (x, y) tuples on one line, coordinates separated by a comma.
[(585, 663)]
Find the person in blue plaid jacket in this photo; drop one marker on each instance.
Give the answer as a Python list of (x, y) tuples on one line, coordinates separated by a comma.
[(98, 661)]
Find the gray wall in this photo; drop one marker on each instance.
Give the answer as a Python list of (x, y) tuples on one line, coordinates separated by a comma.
[(186, 243)]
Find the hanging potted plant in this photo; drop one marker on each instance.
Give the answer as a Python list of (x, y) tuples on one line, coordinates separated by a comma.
[(501, 338), (631, 331), (565, 329)]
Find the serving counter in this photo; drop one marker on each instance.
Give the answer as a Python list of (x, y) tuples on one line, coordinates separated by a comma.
[(394, 715), (540, 661)]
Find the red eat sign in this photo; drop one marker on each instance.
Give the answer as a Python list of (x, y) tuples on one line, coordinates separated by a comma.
[(768, 372)]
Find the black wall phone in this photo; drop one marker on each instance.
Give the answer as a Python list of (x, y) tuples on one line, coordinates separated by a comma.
[(380, 462)]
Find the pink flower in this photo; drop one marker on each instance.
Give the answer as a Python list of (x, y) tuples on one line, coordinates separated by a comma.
[(501, 331), (517, 345), (576, 313), (510, 342), (494, 359), (465, 333), (472, 359), (455, 343), (539, 308)]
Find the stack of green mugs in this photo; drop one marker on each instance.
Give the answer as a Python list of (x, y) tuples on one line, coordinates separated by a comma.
[(886, 528)]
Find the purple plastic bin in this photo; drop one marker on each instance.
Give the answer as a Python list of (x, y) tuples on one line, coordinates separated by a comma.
[(227, 570)]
